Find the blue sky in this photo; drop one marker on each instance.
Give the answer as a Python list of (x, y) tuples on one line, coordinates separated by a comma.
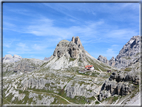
[(32, 30)]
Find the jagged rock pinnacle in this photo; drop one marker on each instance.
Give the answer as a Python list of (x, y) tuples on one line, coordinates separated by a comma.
[(73, 39), (73, 49)]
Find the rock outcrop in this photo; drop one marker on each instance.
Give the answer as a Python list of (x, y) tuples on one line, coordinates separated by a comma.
[(71, 54), (118, 83), (129, 53), (103, 59), (112, 61), (22, 65), (73, 49), (46, 59), (10, 59)]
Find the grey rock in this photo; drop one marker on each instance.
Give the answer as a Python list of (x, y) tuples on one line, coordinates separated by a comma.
[(46, 59), (130, 53), (103, 59), (72, 49), (10, 59), (112, 61), (118, 83), (77, 90)]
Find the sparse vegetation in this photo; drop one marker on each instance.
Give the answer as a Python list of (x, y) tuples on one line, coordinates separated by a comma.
[(72, 59), (127, 69), (97, 102), (115, 98)]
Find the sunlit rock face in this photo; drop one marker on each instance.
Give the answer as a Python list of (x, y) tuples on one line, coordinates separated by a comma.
[(103, 59), (72, 49), (130, 53), (9, 58), (112, 61)]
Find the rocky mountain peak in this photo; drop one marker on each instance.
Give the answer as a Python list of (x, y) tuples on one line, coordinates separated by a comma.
[(77, 41), (72, 49), (112, 61), (73, 39), (129, 52), (17, 56), (70, 54), (103, 59), (9, 58), (46, 59)]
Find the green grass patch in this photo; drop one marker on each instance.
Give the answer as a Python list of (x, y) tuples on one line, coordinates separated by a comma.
[(80, 60), (115, 98), (127, 69), (58, 100), (72, 59), (95, 74), (97, 102)]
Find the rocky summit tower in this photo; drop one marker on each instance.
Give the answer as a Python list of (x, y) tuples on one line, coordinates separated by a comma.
[(73, 49), (71, 54)]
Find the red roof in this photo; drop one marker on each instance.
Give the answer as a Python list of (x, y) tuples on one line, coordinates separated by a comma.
[(88, 66)]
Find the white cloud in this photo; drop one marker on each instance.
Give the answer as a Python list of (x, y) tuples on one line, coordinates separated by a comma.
[(39, 47), (89, 31), (121, 33), (7, 42), (21, 45), (7, 45), (46, 27)]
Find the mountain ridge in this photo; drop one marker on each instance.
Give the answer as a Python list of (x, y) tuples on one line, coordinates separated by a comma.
[(127, 55), (63, 79)]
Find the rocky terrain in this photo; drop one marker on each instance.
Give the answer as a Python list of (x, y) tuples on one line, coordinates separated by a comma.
[(10, 59), (119, 83), (129, 54), (112, 62), (62, 79), (103, 59)]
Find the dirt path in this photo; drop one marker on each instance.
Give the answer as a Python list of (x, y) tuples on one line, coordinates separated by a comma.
[(63, 98)]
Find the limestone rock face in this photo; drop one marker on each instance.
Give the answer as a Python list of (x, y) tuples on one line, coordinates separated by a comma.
[(118, 83), (10, 59), (78, 90), (103, 59), (17, 56), (129, 53), (23, 65), (112, 61), (61, 48), (71, 54), (7, 57), (72, 49), (46, 59)]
